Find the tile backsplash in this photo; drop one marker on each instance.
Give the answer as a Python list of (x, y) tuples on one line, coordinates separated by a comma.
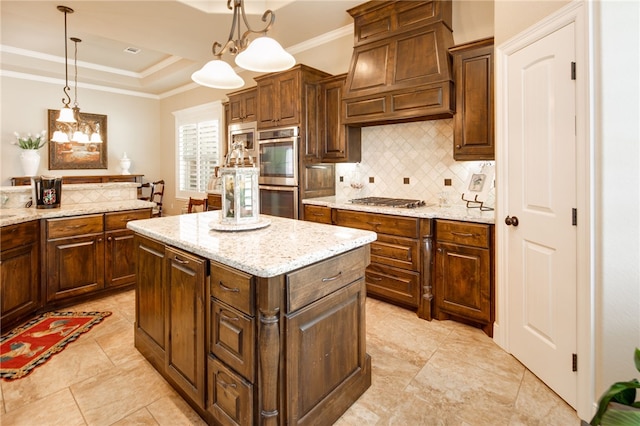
[(409, 160)]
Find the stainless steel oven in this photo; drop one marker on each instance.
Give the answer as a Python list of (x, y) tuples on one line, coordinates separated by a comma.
[(247, 133), (279, 201), (278, 156)]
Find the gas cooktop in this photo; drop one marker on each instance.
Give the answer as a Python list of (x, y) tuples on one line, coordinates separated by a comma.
[(388, 202)]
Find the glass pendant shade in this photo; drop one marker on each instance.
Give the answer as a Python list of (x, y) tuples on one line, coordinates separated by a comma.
[(264, 54), (66, 115), (217, 74), (59, 136), (80, 137)]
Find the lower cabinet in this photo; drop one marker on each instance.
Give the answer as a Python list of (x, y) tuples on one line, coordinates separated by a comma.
[(464, 279), (20, 294), (214, 202), (264, 350)]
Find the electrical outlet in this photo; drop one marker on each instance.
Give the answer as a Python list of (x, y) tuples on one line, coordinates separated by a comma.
[(341, 178)]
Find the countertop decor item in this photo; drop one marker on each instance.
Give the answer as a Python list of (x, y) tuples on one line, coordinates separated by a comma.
[(34, 343), (263, 54), (240, 201), (125, 163), (29, 155)]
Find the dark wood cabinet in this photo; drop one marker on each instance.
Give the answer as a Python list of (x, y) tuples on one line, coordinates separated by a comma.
[(243, 106), (214, 202), (464, 278), (20, 294), (400, 69), (318, 214), (26, 180), (473, 137), (338, 142), (120, 266), (184, 322)]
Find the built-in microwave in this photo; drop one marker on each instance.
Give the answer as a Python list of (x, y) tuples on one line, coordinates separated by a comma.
[(278, 156), (246, 133)]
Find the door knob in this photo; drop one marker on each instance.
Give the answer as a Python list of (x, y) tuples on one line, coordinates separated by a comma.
[(511, 220)]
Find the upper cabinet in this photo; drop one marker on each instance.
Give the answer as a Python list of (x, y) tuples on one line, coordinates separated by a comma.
[(400, 69), (338, 142), (474, 119), (280, 96), (243, 106)]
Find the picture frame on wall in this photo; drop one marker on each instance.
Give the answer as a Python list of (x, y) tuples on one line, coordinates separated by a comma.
[(78, 155)]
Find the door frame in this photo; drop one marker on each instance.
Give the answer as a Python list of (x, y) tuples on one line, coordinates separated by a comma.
[(578, 12)]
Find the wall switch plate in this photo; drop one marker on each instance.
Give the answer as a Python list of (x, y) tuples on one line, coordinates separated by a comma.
[(406, 181), (447, 182)]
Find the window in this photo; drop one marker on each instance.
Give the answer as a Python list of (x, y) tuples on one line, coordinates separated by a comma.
[(198, 147)]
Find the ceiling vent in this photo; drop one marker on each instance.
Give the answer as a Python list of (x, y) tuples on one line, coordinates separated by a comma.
[(132, 50)]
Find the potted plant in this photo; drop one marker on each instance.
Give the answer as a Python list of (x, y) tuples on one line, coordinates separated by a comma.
[(618, 405), (29, 156)]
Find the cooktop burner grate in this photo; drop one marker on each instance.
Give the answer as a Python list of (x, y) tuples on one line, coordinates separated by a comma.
[(388, 202)]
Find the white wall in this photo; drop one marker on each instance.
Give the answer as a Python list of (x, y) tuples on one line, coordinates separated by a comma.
[(132, 126)]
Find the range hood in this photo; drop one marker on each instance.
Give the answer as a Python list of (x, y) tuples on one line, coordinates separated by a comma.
[(400, 69)]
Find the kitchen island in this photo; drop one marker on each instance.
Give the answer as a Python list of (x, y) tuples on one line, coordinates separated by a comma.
[(265, 326)]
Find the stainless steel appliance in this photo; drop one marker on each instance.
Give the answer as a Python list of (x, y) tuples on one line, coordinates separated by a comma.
[(246, 133), (388, 202), (278, 179), (48, 190)]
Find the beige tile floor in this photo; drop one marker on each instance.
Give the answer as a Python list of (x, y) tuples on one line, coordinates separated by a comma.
[(424, 373)]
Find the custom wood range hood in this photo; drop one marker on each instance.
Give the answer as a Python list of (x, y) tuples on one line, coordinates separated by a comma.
[(400, 69)]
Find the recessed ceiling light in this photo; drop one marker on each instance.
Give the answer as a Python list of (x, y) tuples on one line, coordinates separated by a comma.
[(132, 50)]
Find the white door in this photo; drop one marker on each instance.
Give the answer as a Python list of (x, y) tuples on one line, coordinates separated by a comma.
[(541, 194)]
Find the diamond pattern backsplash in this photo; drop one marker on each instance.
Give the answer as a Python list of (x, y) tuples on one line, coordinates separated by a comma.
[(420, 152)]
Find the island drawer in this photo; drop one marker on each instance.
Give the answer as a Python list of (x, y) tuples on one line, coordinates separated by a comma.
[(118, 220), (232, 338), (380, 223), (21, 234), (69, 227), (319, 214), (465, 233), (232, 287), (309, 284), (395, 284), (396, 251), (230, 398)]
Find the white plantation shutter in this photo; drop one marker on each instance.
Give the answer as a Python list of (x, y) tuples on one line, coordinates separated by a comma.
[(198, 134)]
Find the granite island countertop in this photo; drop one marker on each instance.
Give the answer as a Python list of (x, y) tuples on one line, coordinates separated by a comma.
[(433, 211), (14, 216), (282, 246)]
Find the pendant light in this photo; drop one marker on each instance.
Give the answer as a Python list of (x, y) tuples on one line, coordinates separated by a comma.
[(263, 54), (78, 135), (66, 113)]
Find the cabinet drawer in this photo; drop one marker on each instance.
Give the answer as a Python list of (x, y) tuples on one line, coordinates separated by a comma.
[(214, 202), (380, 223), (233, 338), (316, 281), (13, 236), (68, 227), (118, 220), (465, 233), (230, 398), (319, 214), (396, 251), (233, 287), (395, 284)]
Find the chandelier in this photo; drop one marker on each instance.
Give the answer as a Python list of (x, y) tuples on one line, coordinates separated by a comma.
[(263, 54), (66, 113)]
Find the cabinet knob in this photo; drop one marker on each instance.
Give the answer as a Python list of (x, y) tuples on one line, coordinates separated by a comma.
[(458, 146), (512, 221)]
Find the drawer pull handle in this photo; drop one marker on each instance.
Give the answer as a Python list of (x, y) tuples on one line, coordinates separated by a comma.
[(177, 259), (462, 234), (225, 288), (333, 278), (225, 317), (374, 223), (374, 278), (225, 384), (376, 249)]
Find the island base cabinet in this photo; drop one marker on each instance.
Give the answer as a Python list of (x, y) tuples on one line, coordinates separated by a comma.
[(230, 397), (326, 356)]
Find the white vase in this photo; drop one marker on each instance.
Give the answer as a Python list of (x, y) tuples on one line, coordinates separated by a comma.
[(125, 163), (30, 159)]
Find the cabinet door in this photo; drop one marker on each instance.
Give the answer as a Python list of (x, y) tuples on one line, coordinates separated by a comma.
[(20, 289), (185, 352), (288, 99), (462, 282), (267, 98), (328, 335), (120, 265), (150, 300), (75, 266)]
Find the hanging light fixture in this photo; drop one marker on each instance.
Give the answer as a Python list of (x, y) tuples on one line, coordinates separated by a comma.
[(66, 113), (78, 134), (263, 54)]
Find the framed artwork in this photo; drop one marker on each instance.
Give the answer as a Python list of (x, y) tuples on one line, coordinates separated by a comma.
[(78, 155), (480, 183)]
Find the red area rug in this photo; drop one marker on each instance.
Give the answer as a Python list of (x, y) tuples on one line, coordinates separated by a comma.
[(34, 343)]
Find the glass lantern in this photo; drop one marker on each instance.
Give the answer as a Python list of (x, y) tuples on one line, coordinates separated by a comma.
[(240, 201)]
